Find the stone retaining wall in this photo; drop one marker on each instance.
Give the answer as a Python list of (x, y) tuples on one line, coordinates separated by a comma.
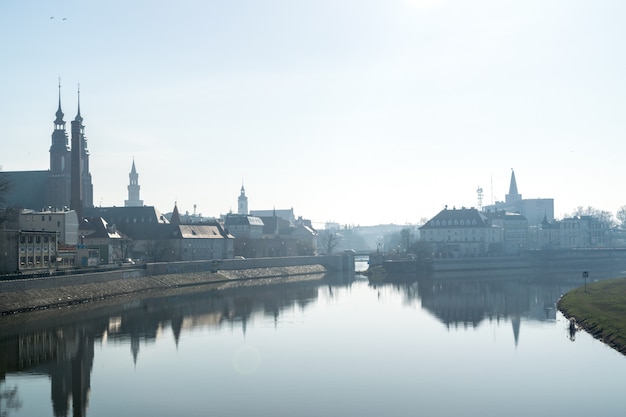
[(33, 294)]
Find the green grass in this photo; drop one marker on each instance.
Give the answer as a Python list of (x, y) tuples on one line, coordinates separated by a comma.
[(601, 310)]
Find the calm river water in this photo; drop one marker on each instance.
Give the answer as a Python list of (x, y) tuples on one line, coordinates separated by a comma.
[(458, 345)]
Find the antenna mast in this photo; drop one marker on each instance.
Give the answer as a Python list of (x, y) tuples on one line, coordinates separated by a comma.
[(479, 193)]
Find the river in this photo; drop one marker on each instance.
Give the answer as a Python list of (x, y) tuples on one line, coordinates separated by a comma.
[(460, 345)]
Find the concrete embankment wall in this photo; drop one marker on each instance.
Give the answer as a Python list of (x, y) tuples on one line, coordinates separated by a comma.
[(334, 263), (49, 292), (465, 264)]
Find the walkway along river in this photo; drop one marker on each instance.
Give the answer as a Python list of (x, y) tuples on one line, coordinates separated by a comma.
[(46, 292)]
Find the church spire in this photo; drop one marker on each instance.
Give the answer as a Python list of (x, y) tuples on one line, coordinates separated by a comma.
[(242, 202), (513, 186), (133, 189), (59, 123), (175, 219), (78, 116), (513, 195)]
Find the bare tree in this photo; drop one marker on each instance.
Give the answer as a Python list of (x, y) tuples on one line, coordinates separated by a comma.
[(621, 216), (602, 215), (330, 242), (406, 235), (126, 247), (159, 250)]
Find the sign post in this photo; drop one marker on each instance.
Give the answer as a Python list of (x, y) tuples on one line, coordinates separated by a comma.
[(585, 275)]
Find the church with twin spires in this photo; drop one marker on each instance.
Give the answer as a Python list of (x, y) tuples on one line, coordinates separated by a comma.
[(67, 183)]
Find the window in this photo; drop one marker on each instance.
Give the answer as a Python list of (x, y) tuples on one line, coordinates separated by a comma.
[(58, 224), (43, 218)]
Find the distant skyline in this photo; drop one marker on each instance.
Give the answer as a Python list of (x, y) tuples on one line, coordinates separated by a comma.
[(359, 112)]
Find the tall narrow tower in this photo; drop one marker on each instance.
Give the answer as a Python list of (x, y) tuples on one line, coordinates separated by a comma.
[(76, 200), (242, 202), (513, 195), (85, 175), (58, 189), (133, 189)]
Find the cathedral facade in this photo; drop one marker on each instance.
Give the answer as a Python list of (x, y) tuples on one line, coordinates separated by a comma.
[(53, 189)]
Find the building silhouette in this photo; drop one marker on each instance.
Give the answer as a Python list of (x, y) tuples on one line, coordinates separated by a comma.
[(242, 202), (52, 188), (133, 189), (533, 209)]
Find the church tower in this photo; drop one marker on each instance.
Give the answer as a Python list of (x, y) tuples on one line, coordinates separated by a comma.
[(242, 202), (513, 195), (85, 174), (58, 189), (133, 189), (76, 200)]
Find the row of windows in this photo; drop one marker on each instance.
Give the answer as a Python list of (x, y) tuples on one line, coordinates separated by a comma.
[(456, 232), (35, 239), (34, 260), (36, 249), (134, 220), (32, 218), (456, 222)]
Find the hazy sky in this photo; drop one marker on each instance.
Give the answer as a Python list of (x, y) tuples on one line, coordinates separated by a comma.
[(354, 111)]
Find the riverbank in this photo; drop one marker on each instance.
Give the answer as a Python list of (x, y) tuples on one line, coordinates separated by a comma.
[(600, 309), (46, 293)]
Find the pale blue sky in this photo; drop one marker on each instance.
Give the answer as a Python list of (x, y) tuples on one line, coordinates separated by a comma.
[(353, 111)]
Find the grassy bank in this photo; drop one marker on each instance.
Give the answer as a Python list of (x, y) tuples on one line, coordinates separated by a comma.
[(600, 309)]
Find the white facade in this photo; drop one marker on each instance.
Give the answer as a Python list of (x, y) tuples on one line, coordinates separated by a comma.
[(65, 223), (37, 250), (461, 233)]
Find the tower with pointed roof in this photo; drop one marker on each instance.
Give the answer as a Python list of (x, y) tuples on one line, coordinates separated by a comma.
[(242, 202), (175, 219), (513, 195), (133, 189), (69, 180), (76, 198), (534, 209), (85, 174), (58, 187)]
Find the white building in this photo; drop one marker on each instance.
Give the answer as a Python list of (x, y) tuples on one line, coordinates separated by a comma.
[(462, 233), (64, 222)]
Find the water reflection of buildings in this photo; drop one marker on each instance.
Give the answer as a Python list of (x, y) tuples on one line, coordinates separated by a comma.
[(461, 300), (65, 352)]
